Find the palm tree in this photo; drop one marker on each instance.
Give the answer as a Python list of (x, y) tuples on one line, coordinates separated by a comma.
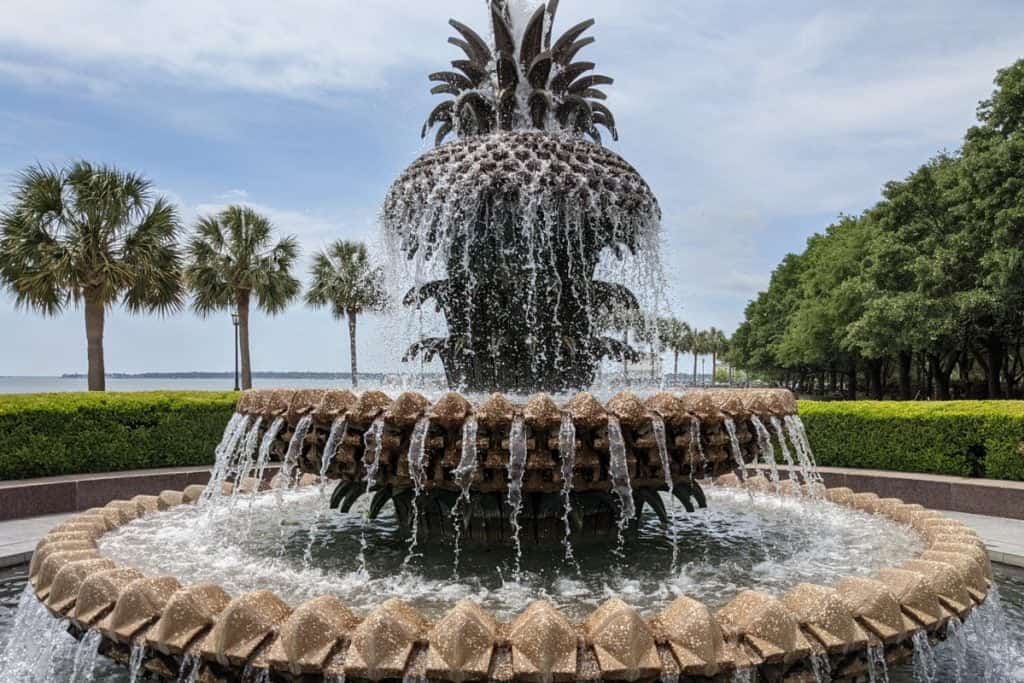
[(344, 280), (675, 334), (717, 343), (92, 236), (700, 345), (231, 260)]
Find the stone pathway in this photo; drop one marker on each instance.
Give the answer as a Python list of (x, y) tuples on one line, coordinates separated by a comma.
[(1004, 537)]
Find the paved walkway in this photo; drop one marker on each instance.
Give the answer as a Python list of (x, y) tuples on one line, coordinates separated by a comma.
[(18, 538), (1004, 537)]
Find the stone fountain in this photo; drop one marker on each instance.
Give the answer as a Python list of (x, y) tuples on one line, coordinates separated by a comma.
[(515, 216)]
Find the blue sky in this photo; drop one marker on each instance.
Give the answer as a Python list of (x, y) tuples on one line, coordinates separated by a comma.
[(756, 124)]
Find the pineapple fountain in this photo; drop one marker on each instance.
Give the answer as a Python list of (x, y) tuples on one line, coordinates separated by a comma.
[(465, 537)]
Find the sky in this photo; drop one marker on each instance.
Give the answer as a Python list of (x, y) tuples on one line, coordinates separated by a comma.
[(756, 124)]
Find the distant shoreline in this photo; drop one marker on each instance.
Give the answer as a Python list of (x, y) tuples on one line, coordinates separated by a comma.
[(230, 375)]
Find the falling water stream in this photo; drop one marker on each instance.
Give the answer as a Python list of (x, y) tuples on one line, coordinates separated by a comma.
[(767, 449), (418, 474), (464, 478), (567, 456), (618, 467), (516, 472), (658, 429)]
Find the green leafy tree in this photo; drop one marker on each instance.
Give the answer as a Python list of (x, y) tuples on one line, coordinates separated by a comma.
[(232, 259), (344, 281), (92, 236)]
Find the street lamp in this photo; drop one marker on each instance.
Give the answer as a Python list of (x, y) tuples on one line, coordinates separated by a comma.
[(234, 321)]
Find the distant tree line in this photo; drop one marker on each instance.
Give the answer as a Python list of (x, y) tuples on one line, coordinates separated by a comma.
[(920, 296), (94, 237)]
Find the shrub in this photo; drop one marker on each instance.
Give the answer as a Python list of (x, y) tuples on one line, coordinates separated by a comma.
[(55, 434), (962, 438)]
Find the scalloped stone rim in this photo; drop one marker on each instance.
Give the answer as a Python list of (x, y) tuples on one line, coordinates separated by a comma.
[(323, 638)]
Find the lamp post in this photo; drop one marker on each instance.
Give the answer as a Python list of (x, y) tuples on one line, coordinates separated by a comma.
[(234, 321)]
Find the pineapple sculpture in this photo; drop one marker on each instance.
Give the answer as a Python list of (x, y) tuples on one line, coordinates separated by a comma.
[(517, 212)]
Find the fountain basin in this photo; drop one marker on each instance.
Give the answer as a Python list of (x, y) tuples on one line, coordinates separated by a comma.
[(224, 635)]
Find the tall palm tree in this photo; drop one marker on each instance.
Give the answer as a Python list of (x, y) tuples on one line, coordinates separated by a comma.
[(344, 280), (675, 334), (92, 236), (700, 346), (232, 258), (717, 344)]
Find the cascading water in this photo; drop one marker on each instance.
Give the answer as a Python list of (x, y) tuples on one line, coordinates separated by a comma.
[(780, 434), (619, 469), (926, 669), (567, 456), (696, 448), (798, 435), (734, 448), (223, 454), (295, 447), (135, 662), (660, 438), (373, 441), (417, 472), (767, 449), (339, 429), (85, 657), (464, 478), (516, 472), (878, 670)]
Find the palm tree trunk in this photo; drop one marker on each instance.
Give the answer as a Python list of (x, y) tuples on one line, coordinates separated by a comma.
[(94, 319), (675, 366), (243, 338), (352, 347), (714, 367), (695, 368)]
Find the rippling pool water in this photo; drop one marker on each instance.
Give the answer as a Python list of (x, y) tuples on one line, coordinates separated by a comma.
[(740, 541)]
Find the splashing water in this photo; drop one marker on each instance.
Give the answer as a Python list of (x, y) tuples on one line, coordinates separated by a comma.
[(417, 471), (878, 670), (291, 458), (764, 440), (223, 455), (798, 435), (339, 428), (135, 662), (567, 455), (373, 441), (743, 676), (85, 657), (821, 667), (696, 448), (619, 469), (780, 434), (734, 448), (464, 478), (190, 666), (243, 464), (516, 472), (926, 669), (658, 428)]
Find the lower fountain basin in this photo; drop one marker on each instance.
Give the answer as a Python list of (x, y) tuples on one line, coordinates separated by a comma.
[(199, 631), (294, 546)]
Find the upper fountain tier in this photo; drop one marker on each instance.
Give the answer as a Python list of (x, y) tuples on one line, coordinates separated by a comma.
[(610, 456), (507, 225)]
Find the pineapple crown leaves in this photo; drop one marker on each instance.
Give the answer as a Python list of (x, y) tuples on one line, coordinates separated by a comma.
[(535, 84)]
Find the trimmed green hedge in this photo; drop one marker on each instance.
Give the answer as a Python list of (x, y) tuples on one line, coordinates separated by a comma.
[(45, 435), (962, 438)]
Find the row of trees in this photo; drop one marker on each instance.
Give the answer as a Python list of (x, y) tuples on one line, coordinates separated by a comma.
[(679, 338), (96, 236), (920, 296)]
